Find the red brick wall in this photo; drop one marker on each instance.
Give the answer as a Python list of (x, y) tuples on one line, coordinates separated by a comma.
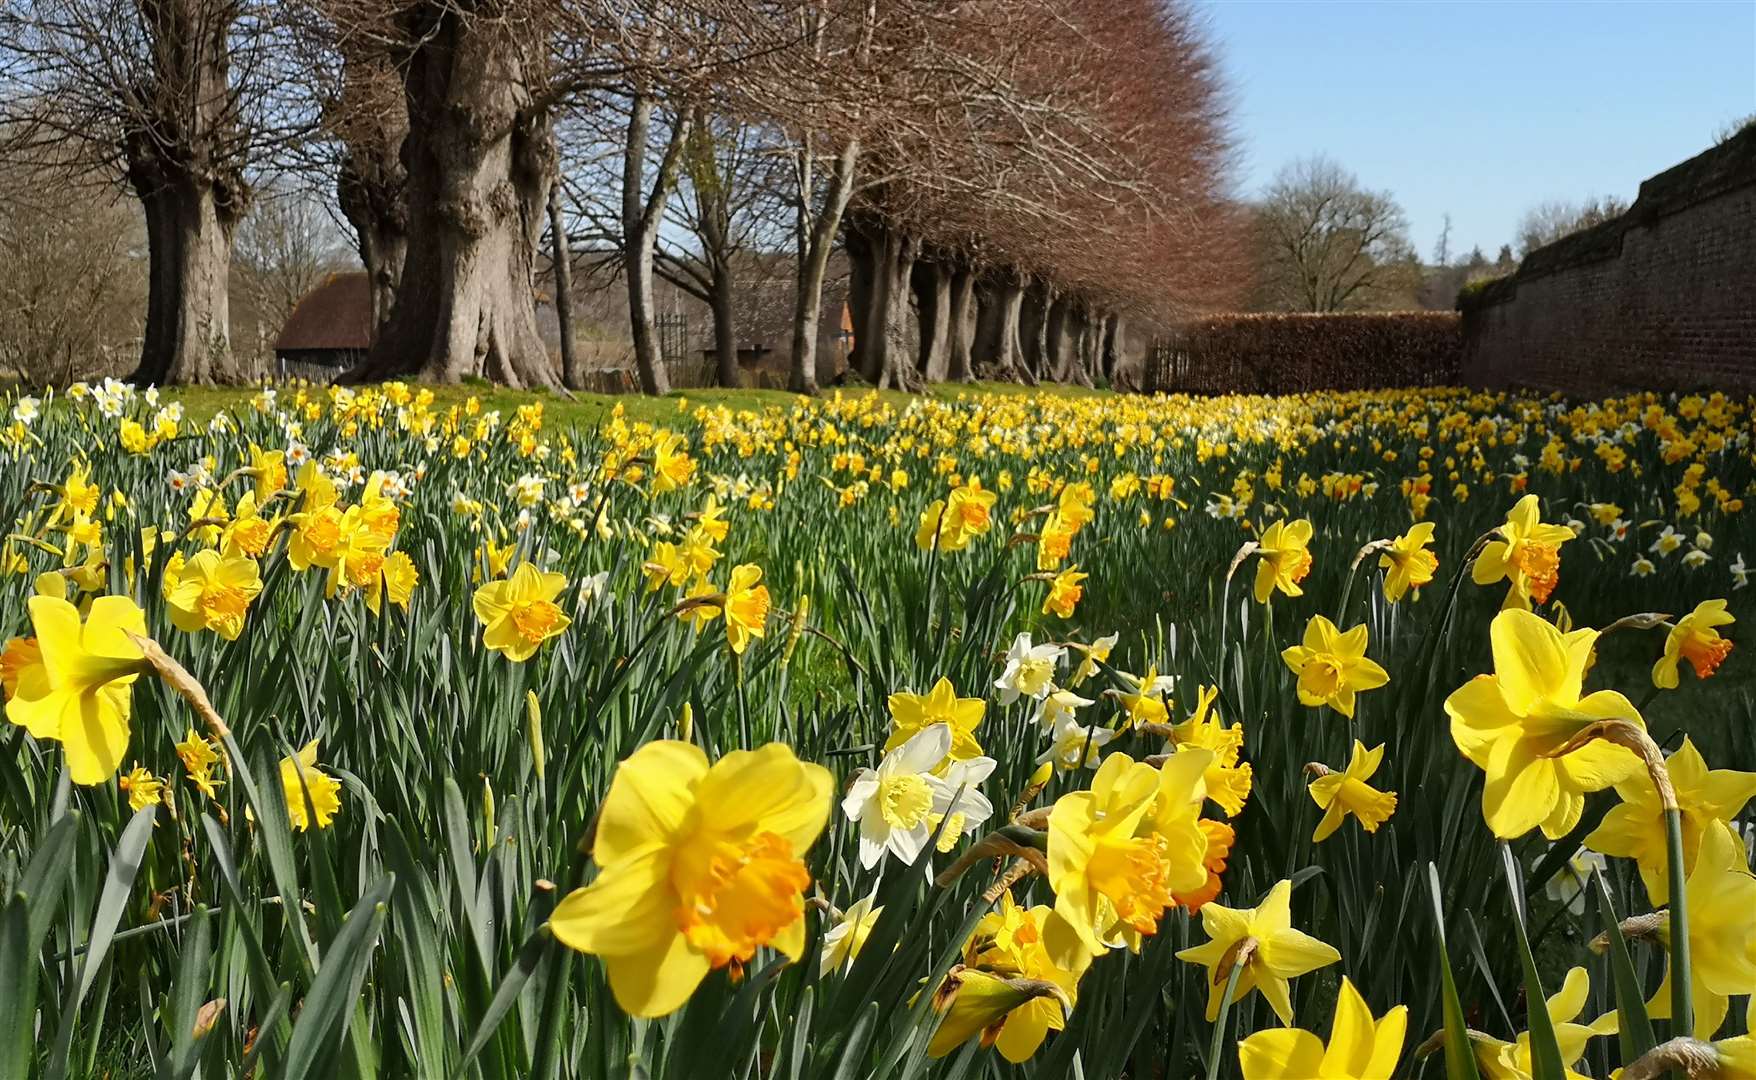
[(1663, 299)]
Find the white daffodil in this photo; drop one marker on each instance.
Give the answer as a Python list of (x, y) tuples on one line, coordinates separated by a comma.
[(1642, 567), (1060, 705), (958, 800), (894, 803), (843, 941), (1030, 670), (1076, 745), (1667, 542), (1695, 558), (1619, 529), (1704, 540), (593, 588), (26, 410), (1740, 573), (1568, 885)]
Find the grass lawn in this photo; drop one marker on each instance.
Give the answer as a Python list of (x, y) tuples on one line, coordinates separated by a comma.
[(586, 410)]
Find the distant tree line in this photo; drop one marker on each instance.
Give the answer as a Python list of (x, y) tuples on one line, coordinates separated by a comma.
[(1013, 182)]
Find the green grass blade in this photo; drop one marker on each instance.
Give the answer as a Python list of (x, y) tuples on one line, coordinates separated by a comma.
[(1633, 1027), (1545, 1052), (1460, 1059), (337, 986)]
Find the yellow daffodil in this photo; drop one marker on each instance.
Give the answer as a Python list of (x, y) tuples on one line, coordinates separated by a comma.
[(1635, 828), (1276, 952), (519, 613), (199, 755), (1283, 559), (1033, 1000), (1513, 723), (1220, 838), (213, 592), (1722, 937), (1344, 793), (910, 714), (1528, 554), (397, 578), (698, 867), (1228, 780), (1064, 593), (1117, 852), (1144, 700), (1090, 656), (672, 467), (79, 689), (1694, 638), (142, 788), (1360, 1047), (1408, 563), (746, 607), (325, 790), (1499, 1060), (1332, 667)]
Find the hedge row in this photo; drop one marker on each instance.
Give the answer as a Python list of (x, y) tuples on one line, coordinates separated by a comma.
[(1281, 354)]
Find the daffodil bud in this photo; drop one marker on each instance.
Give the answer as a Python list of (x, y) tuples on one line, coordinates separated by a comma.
[(534, 731), (686, 723), (488, 812)]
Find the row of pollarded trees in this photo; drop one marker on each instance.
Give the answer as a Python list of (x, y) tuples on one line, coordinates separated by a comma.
[(1013, 181)]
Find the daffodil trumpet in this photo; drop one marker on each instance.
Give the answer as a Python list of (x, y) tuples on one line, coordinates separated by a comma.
[(1635, 738)]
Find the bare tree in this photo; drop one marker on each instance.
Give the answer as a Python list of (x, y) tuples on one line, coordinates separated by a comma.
[(177, 97), (72, 290), (1326, 242), (1547, 222), (285, 247)]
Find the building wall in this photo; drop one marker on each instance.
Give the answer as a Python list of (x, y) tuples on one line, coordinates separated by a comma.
[(1662, 298)]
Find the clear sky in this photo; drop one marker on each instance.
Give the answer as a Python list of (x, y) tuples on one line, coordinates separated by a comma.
[(1483, 109)]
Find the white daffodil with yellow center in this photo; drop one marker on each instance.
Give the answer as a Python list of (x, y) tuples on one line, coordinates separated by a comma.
[(898, 804), (1030, 670)]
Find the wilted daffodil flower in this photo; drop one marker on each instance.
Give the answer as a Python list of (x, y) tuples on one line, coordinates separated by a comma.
[(519, 613), (73, 682), (1332, 666), (698, 866), (1528, 554), (1263, 940), (1695, 638), (1360, 1047), (1515, 723), (1339, 794), (1635, 828), (1284, 559)]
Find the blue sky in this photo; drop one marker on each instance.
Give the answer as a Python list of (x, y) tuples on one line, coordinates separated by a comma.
[(1483, 109)]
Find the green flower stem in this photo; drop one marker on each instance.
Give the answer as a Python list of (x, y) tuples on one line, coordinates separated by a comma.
[(1225, 1009), (1682, 1003)]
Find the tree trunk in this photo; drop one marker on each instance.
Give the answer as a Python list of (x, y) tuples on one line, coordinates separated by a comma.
[(998, 328), (931, 283), (189, 224), (371, 194), (642, 215), (881, 262), (816, 238), (561, 260), (1079, 366), (725, 325), (960, 366), (1060, 335), (862, 255), (1115, 339), (480, 158)]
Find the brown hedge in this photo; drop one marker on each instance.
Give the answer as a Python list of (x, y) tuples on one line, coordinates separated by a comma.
[(1281, 354)]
